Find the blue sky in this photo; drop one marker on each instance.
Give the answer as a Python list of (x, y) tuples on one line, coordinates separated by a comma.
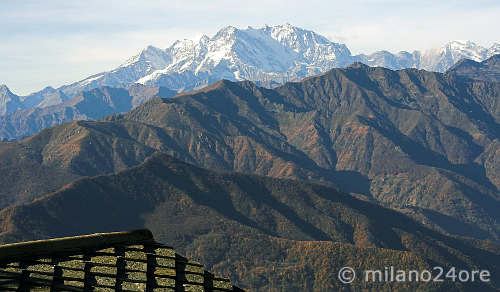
[(58, 42)]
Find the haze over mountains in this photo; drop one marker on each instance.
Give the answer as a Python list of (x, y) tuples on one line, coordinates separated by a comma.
[(268, 56), (88, 105)]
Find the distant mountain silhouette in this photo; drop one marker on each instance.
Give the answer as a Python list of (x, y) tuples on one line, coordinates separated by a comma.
[(88, 105)]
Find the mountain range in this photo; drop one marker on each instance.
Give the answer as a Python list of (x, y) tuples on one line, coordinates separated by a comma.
[(423, 143), (268, 56), (487, 70), (88, 105), (266, 234), (276, 186)]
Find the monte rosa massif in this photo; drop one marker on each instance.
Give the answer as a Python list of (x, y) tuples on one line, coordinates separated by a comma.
[(268, 56)]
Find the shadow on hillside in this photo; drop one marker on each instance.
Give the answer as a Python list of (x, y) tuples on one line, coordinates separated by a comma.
[(424, 156), (388, 225), (353, 182), (207, 191), (454, 226)]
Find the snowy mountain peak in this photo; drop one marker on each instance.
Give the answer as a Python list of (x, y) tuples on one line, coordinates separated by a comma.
[(251, 53), (227, 34), (47, 90), (149, 54), (461, 44), (493, 50), (299, 39), (284, 31), (460, 49), (228, 30), (269, 55), (441, 58), (204, 39), (132, 60)]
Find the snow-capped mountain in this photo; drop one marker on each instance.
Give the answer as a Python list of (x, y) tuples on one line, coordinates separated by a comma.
[(441, 59), (493, 50), (393, 61), (269, 56), (436, 59)]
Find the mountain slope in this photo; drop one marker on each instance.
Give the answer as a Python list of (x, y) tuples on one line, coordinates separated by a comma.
[(9, 102), (420, 142), (437, 59), (88, 105), (59, 155), (487, 70), (83, 148), (354, 123), (43, 98), (260, 231)]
